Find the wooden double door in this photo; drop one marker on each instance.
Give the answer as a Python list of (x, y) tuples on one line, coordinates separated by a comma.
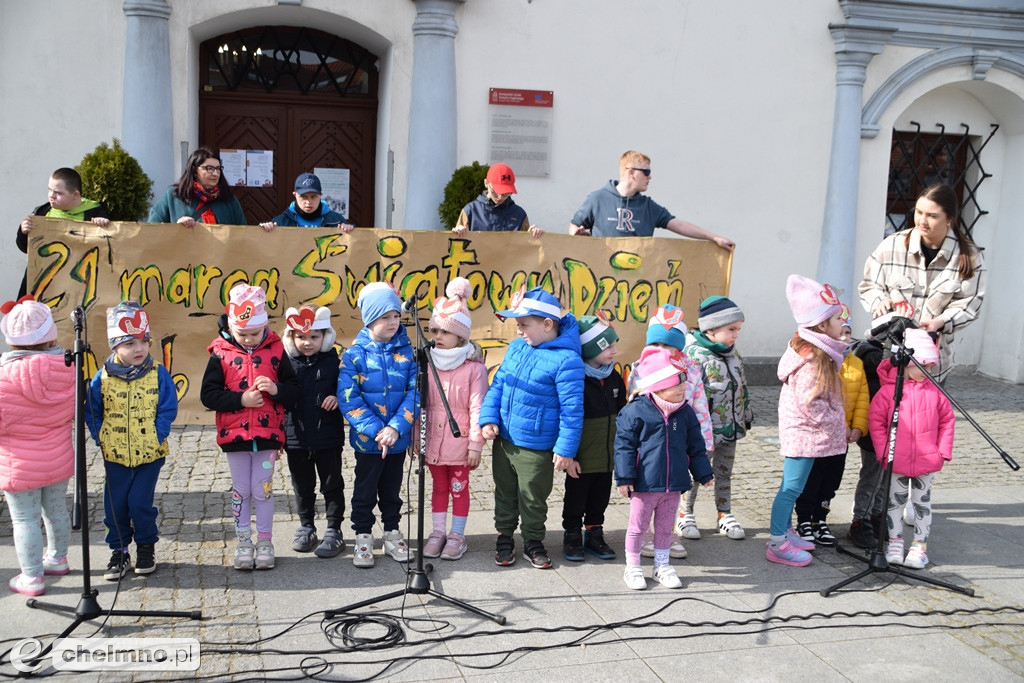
[(304, 133)]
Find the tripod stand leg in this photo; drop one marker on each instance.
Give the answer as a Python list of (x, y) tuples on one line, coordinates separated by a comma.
[(824, 592), (330, 614), (496, 618), (936, 582)]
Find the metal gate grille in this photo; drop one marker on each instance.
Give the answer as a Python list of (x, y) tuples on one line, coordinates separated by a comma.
[(919, 160)]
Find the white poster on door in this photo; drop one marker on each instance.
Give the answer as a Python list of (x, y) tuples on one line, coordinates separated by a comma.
[(335, 184), (259, 168), (233, 161)]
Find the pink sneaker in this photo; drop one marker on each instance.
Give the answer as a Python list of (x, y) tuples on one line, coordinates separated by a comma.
[(455, 547), (797, 542), (56, 566), (434, 545), (27, 585), (787, 554)]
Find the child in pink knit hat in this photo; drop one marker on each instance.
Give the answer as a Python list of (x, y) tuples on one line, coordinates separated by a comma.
[(37, 397), (812, 422), (658, 445), (249, 384), (462, 373)]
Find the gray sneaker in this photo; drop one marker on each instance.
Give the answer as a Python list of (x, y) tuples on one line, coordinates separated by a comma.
[(264, 554), (244, 554), (304, 540), (332, 545)]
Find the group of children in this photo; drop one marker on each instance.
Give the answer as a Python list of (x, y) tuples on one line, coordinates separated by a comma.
[(556, 403)]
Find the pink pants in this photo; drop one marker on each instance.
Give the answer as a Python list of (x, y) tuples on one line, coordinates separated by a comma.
[(642, 506), (453, 480)]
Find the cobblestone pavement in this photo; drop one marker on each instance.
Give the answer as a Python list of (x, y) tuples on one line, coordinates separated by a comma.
[(196, 552)]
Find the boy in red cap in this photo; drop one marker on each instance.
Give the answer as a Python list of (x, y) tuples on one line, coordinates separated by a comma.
[(494, 210)]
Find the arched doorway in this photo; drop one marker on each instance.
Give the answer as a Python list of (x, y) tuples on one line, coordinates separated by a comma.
[(308, 96)]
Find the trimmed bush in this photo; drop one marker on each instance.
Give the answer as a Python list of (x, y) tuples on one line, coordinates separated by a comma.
[(466, 184), (113, 177)]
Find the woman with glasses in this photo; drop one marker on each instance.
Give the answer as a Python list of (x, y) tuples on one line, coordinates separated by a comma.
[(201, 194)]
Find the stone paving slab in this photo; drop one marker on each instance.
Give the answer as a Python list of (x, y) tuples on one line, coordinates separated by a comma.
[(977, 541)]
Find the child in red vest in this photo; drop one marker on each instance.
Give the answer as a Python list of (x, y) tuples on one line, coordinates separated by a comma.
[(249, 384)]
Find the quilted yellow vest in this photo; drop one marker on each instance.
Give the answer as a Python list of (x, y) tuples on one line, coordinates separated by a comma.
[(128, 433)]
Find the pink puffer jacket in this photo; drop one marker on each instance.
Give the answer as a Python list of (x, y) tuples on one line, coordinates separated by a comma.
[(37, 407), (808, 427), (465, 388)]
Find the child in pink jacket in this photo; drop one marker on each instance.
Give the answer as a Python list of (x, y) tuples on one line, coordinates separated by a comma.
[(463, 376), (37, 406), (924, 443)]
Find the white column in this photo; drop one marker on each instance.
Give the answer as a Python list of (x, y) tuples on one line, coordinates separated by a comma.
[(147, 130), (855, 46), (432, 117)]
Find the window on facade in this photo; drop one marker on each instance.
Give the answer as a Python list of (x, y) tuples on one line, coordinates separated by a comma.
[(287, 59), (919, 160)]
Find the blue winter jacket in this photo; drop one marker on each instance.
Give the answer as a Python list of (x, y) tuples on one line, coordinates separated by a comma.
[(377, 389), (291, 218), (658, 454), (536, 397)]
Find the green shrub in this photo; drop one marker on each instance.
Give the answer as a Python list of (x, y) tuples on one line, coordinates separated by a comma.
[(466, 184), (112, 177)]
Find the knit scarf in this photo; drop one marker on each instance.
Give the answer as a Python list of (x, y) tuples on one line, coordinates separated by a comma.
[(664, 406), (127, 372), (205, 197), (720, 349), (833, 347), (75, 214), (449, 359), (598, 373)]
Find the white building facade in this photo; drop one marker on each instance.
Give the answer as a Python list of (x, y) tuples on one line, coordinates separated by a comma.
[(777, 124)]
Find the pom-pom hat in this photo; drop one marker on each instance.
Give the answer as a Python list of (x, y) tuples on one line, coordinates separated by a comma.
[(247, 307), (538, 301), (126, 321), (376, 299), (811, 302), (305, 320), (718, 311), (666, 326), (27, 322), (451, 313), (921, 342), (596, 335), (659, 369)]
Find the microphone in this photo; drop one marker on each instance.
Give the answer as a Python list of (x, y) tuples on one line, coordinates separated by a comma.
[(891, 323), (410, 304)]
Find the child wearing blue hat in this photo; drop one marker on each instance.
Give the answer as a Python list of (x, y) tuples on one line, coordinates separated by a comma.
[(309, 210), (534, 413), (376, 394)]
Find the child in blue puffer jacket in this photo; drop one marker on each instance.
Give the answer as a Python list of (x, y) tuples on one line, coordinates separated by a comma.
[(658, 444), (377, 395), (535, 409)]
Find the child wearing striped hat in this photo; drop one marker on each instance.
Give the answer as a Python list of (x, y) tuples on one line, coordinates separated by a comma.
[(604, 395), (534, 413)]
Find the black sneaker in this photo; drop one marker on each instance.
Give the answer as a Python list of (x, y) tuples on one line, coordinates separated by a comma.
[(119, 565), (822, 534), (145, 559), (594, 544), (572, 545), (332, 545), (505, 551), (862, 535), (805, 531), (537, 555)]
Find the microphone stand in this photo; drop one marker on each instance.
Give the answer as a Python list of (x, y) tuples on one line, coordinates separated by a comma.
[(88, 606), (418, 582), (876, 559)]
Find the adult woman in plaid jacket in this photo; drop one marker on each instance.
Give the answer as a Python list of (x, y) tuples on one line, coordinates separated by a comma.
[(933, 273)]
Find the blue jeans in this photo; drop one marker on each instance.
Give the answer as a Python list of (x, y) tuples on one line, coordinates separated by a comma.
[(794, 475)]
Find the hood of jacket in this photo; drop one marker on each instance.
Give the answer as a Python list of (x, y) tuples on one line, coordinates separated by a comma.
[(790, 362)]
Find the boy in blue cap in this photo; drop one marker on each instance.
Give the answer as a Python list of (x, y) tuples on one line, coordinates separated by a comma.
[(534, 413), (308, 210)]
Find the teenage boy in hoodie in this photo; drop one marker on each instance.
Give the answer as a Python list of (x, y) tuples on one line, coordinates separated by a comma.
[(620, 210)]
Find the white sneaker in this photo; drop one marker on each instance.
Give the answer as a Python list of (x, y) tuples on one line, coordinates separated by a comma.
[(395, 546), (728, 525), (686, 527), (917, 556), (362, 553), (667, 577), (894, 552), (634, 578)]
